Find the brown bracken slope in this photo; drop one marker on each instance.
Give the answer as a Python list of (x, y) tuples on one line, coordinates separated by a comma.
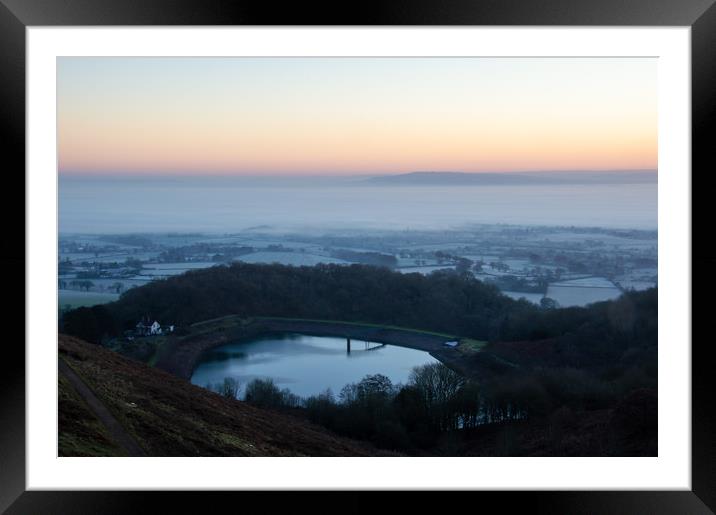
[(168, 416)]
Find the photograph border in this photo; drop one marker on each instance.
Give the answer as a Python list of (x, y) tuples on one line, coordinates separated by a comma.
[(16, 15)]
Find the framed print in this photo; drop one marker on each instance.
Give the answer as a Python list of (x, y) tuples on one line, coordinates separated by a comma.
[(418, 249)]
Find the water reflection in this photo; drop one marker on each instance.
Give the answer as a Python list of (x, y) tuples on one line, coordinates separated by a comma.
[(307, 365)]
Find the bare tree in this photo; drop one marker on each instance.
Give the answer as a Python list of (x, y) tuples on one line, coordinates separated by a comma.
[(438, 385), (230, 388)]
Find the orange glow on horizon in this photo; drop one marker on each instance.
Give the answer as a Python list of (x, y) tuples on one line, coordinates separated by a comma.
[(463, 116)]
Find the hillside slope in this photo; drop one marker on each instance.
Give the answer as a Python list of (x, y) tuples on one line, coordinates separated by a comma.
[(168, 416)]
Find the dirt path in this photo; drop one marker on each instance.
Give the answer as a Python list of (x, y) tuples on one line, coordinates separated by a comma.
[(116, 430)]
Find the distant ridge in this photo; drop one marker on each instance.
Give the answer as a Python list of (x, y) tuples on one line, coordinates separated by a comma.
[(507, 178)]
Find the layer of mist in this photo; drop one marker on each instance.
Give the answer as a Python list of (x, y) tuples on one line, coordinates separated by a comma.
[(118, 205)]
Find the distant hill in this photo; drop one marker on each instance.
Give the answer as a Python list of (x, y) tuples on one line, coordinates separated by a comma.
[(168, 416), (514, 178)]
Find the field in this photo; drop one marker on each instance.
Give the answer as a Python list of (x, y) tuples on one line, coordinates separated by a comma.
[(76, 299), (288, 258), (167, 269), (470, 346)]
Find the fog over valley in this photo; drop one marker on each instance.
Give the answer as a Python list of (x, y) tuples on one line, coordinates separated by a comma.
[(127, 204)]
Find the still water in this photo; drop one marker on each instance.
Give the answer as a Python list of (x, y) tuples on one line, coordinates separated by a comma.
[(306, 365)]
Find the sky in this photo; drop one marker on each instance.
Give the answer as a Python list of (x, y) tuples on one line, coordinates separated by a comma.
[(346, 116)]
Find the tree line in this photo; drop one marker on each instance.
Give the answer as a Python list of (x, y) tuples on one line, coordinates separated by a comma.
[(444, 301), (437, 404)]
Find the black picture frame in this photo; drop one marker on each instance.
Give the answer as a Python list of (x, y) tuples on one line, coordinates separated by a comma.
[(700, 15)]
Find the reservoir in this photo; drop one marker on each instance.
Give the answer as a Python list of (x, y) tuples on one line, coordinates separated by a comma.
[(306, 365)]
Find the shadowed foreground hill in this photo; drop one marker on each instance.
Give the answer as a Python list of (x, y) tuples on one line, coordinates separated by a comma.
[(171, 417)]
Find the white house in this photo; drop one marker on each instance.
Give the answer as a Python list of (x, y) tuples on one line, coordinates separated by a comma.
[(144, 328), (155, 328)]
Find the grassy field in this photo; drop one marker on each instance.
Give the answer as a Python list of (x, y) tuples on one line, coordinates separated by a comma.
[(158, 342), (468, 345), (145, 349), (77, 299)]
